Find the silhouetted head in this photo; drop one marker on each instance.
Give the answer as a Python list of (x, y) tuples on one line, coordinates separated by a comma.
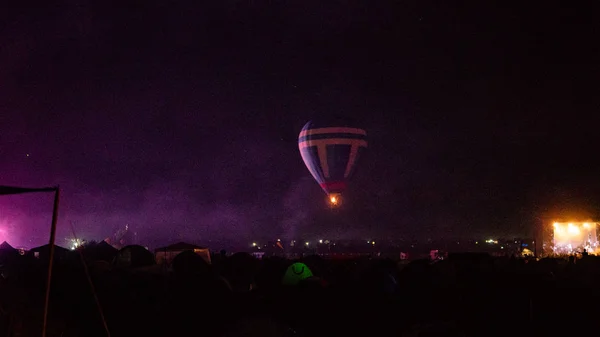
[(240, 269), (190, 263)]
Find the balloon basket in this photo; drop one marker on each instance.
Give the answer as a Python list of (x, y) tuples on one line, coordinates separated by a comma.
[(334, 200)]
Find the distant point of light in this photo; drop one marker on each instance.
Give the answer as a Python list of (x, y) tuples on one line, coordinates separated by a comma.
[(320, 241), (333, 200), (253, 244), (76, 243), (307, 243)]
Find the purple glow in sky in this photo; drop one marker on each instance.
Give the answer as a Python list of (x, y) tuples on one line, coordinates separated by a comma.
[(181, 120)]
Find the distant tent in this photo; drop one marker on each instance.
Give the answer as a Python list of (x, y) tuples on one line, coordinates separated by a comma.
[(526, 252), (7, 251), (43, 252), (134, 256), (101, 251), (296, 273), (105, 246), (165, 255), (4, 246)]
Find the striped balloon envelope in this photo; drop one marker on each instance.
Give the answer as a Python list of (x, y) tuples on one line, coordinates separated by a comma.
[(331, 152)]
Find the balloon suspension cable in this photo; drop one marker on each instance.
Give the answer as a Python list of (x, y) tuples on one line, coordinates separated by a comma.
[(90, 282)]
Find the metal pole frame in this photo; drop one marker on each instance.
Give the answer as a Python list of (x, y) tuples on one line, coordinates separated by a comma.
[(51, 261)]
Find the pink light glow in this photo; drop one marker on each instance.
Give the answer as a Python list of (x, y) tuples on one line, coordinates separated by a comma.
[(4, 231)]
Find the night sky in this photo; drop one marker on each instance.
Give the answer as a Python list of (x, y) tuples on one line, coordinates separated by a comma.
[(180, 118)]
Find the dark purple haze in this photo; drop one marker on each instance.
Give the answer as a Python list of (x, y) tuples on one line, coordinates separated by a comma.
[(180, 119)]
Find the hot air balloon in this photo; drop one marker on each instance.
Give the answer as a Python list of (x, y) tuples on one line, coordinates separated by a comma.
[(331, 152)]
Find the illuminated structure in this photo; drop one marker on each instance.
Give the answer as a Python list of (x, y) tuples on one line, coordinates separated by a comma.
[(574, 237)]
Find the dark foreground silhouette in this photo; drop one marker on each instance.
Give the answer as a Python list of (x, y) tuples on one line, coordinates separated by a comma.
[(465, 295)]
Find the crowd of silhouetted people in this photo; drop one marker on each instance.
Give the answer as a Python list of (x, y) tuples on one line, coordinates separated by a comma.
[(239, 295)]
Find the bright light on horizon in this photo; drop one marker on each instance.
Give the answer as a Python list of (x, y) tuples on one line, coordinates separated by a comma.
[(570, 237)]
